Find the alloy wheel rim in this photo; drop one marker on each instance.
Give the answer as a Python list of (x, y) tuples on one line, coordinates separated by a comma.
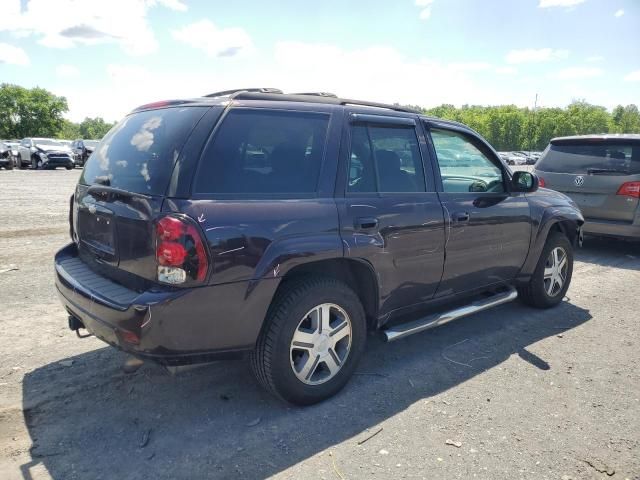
[(320, 344), (555, 271)]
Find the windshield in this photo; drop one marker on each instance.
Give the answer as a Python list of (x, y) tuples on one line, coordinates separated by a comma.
[(601, 158), (46, 141), (91, 143), (138, 154)]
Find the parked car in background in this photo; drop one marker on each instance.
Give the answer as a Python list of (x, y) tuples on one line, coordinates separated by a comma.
[(83, 149), (6, 157), (601, 173), (287, 226), (44, 153), (513, 158)]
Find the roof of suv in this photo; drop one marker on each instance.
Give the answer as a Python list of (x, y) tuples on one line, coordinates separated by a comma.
[(604, 136), (223, 98)]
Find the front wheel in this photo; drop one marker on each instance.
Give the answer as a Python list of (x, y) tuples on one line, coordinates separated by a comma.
[(552, 276), (313, 338)]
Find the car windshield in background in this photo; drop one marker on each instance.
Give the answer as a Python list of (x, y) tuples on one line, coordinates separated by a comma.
[(91, 143), (139, 153), (46, 141), (591, 158)]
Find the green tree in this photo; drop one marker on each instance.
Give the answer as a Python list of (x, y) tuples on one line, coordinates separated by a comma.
[(625, 119), (94, 128), (30, 112)]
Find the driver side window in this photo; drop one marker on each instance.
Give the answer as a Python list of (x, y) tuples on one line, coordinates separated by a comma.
[(463, 166)]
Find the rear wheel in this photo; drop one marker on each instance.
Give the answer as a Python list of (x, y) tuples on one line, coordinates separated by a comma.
[(314, 335), (552, 276)]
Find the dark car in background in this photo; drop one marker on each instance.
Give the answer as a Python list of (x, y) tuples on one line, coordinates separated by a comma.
[(82, 150), (43, 153), (601, 173), (287, 226)]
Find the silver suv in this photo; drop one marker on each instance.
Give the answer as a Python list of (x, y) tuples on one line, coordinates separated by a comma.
[(601, 173)]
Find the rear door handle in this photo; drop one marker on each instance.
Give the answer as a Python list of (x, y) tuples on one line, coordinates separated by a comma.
[(366, 223), (461, 217)]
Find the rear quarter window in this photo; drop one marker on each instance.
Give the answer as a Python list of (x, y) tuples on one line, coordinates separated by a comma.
[(586, 158), (138, 154), (264, 152)]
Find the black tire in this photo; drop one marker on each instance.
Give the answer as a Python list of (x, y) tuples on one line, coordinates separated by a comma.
[(271, 360), (69, 167), (535, 293), (20, 165), (34, 163)]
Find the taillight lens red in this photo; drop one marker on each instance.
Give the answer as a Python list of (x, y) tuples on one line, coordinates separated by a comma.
[(541, 182), (171, 254), (630, 189), (180, 251), (170, 228)]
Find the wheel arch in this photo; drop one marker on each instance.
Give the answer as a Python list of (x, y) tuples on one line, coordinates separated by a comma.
[(358, 274)]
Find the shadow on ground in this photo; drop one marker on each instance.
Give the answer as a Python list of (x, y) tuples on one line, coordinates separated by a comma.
[(610, 252), (89, 420)]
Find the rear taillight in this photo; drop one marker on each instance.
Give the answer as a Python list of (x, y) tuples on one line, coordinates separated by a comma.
[(630, 189), (180, 251), (541, 182)]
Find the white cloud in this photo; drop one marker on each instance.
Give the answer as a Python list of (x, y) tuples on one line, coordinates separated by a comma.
[(425, 13), (425, 8), (506, 70), (172, 4), (67, 71), (559, 3), (619, 13), (531, 55), (633, 76), (470, 66), (214, 41), (68, 23), (595, 59), (13, 55), (573, 73)]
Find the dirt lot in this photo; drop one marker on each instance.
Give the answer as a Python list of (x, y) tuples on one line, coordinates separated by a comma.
[(510, 393)]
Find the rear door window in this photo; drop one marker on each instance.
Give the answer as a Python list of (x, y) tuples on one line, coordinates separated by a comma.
[(385, 159), (597, 158), (138, 154), (264, 152)]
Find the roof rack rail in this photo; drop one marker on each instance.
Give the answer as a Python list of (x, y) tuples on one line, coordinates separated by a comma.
[(361, 103), (316, 94), (315, 98), (225, 93)]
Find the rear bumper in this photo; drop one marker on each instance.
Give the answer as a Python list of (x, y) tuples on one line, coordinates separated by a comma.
[(172, 327), (611, 228)]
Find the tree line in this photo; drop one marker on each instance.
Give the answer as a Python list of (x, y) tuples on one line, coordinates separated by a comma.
[(511, 128), (36, 112)]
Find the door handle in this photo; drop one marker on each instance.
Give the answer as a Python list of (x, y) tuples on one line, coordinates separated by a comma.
[(366, 223), (461, 217)]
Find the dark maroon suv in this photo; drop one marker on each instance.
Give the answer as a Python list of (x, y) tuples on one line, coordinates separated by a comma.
[(287, 226)]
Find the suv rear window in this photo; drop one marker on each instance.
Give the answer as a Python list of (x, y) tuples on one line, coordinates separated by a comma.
[(591, 158), (138, 154), (264, 152)]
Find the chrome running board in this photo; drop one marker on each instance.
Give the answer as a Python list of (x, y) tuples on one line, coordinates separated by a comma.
[(405, 329)]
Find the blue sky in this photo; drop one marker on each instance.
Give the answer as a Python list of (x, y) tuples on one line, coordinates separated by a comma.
[(107, 57)]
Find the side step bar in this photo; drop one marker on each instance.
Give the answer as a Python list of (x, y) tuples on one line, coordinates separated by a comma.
[(404, 330)]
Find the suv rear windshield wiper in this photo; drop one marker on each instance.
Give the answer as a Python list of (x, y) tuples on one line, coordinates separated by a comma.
[(605, 171)]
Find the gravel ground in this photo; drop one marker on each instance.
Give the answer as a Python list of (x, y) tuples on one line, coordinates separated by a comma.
[(509, 393)]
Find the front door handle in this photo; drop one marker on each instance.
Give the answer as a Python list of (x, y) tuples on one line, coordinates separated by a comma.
[(366, 223), (461, 217)]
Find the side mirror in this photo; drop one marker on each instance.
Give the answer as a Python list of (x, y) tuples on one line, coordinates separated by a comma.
[(524, 182)]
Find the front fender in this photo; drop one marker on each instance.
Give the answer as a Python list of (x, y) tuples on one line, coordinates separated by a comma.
[(549, 217)]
